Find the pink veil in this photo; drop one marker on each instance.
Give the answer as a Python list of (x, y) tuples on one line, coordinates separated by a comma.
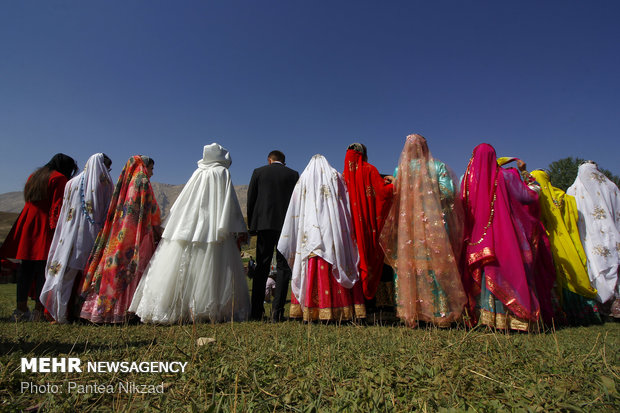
[(417, 244), (495, 237)]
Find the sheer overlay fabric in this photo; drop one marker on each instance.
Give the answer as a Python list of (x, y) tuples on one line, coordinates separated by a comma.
[(416, 238)]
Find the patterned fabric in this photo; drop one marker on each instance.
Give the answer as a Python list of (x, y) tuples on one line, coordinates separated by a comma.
[(370, 200), (83, 212), (123, 248), (325, 299), (417, 243), (318, 222), (543, 267), (598, 203)]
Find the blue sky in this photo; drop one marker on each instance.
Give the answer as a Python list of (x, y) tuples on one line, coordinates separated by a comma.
[(538, 80)]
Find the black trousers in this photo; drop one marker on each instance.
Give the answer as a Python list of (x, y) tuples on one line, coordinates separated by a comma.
[(265, 243), (30, 271)]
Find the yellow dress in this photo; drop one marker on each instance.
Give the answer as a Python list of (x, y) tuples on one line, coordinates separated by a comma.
[(559, 215)]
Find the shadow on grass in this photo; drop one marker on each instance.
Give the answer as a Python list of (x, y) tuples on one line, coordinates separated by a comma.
[(54, 348)]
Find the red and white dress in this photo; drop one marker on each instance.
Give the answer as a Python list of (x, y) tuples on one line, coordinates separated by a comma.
[(318, 241)]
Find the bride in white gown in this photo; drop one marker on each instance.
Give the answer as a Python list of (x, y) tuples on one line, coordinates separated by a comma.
[(196, 272)]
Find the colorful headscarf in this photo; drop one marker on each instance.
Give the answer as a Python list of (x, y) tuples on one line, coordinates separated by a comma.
[(123, 248)]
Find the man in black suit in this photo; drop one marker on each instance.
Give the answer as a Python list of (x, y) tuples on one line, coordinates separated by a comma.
[(269, 193)]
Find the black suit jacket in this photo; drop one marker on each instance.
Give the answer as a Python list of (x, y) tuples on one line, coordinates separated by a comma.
[(269, 193)]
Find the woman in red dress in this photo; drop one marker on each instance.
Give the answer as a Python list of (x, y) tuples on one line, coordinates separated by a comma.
[(370, 198), (31, 236)]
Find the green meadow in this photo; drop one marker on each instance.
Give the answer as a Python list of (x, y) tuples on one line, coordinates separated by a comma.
[(292, 366)]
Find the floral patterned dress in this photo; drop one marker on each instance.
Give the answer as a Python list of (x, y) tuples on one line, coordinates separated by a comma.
[(123, 248)]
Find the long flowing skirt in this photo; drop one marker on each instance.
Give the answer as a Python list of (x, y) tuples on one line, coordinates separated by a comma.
[(580, 310), (191, 282), (325, 298), (56, 293), (491, 312)]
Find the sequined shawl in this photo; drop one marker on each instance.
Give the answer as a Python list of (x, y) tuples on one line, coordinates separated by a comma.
[(416, 238)]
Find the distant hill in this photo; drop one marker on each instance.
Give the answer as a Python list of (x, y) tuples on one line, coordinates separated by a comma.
[(6, 222), (166, 195), (12, 202)]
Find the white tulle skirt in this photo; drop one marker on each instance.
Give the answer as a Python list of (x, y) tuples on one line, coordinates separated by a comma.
[(193, 282)]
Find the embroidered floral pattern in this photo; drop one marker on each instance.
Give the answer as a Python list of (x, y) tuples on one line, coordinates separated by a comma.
[(325, 192), (89, 207), (370, 191), (117, 261), (54, 268), (599, 177), (601, 250), (599, 213), (70, 214)]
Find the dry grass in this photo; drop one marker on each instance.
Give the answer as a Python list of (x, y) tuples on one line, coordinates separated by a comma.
[(313, 367)]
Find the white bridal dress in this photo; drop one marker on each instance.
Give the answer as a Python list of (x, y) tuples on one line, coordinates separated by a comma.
[(196, 273)]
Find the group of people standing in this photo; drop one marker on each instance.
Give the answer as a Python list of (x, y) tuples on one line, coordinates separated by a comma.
[(500, 247)]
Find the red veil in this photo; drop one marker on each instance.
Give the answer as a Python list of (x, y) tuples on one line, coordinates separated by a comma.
[(370, 201)]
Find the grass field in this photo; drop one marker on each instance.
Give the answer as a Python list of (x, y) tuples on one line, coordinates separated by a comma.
[(299, 367)]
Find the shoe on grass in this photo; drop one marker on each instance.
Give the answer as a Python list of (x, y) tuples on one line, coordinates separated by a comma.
[(19, 315)]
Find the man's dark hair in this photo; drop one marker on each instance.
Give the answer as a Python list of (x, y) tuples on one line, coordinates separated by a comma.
[(276, 156)]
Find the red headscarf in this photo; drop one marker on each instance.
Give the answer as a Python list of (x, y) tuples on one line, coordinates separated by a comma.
[(370, 199)]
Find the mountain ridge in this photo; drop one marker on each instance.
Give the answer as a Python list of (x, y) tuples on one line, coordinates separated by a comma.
[(165, 194)]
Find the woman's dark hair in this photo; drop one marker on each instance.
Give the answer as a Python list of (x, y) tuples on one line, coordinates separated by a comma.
[(63, 164), (36, 187), (107, 161), (361, 148)]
